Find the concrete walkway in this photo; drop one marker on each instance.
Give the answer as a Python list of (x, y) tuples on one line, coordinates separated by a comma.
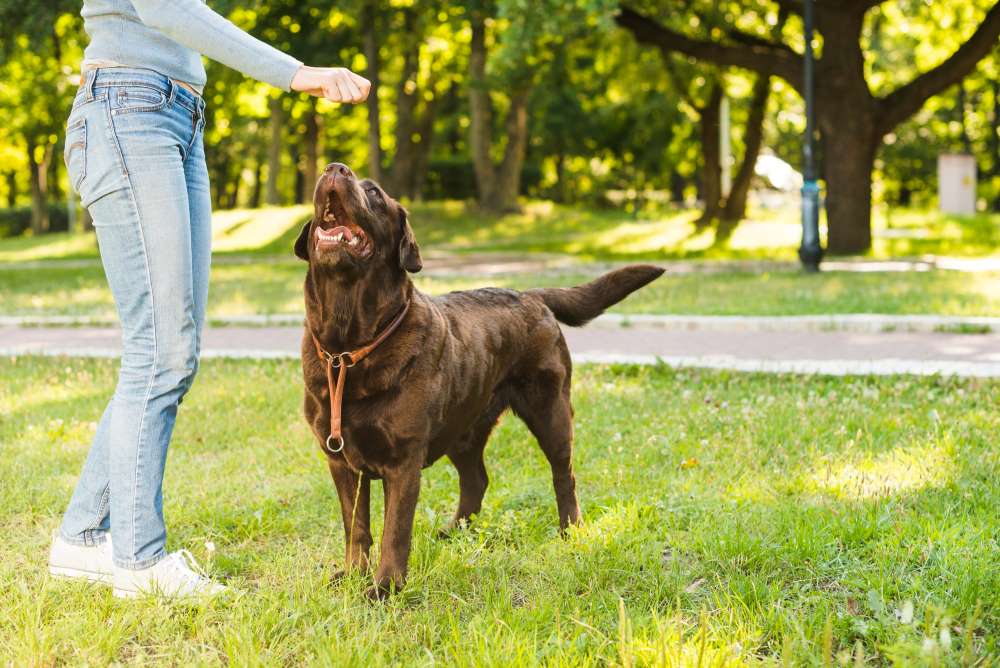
[(444, 263), (782, 350)]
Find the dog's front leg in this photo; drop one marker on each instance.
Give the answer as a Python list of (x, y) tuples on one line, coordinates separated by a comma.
[(402, 487), (354, 492)]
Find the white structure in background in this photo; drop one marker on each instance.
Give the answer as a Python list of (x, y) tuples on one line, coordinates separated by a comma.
[(957, 183), (778, 173), (779, 184)]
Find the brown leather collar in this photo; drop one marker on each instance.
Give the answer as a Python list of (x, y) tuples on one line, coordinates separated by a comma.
[(345, 361)]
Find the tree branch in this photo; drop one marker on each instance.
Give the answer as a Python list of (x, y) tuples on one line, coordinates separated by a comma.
[(761, 58), (753, 40), (907, 100), (682, 89)]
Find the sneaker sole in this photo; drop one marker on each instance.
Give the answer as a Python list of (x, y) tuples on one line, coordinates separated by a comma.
[(130, 593), (77, 574)]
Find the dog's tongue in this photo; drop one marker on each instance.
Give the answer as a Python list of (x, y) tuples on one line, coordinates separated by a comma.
[(340, 229)]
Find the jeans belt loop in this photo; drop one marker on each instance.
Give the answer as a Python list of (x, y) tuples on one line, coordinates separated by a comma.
[(172, 87), (89, 79)]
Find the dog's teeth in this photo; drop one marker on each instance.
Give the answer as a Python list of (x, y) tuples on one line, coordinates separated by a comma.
[(353, 242), (339, 237)]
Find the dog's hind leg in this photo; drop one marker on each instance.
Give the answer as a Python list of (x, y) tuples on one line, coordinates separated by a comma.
[(543, 402), (468, 460)]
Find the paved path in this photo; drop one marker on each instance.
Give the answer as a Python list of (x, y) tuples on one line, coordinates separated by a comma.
[(789, 350), (846, 322), (444, 263)]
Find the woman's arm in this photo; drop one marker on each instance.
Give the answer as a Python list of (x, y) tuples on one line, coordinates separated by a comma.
[(193, 24)]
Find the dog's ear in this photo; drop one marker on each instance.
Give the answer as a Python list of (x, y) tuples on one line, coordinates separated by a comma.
[(302, 243), (409, 251)]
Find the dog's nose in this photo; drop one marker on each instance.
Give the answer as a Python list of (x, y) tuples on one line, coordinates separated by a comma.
[(339, 169)]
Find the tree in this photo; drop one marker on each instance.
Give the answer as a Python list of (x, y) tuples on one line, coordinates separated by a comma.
[(37, 91), (531, 34), (425, 76), (852, 119)]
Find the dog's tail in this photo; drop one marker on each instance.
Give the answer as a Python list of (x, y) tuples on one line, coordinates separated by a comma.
[(578, 306)]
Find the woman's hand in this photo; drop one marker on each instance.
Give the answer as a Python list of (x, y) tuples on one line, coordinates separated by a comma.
[(337, 84)]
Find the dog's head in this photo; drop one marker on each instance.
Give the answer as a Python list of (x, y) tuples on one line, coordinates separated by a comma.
[(356, 229)]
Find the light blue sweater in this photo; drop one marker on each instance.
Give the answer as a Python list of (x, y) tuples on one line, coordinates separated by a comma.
[(170, 36)]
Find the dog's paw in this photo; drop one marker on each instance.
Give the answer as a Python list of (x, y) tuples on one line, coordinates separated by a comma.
[(453, 528), (377, 594), (384, 587)]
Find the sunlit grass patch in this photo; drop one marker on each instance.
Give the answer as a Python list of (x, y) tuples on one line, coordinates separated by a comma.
[(588, 231), (886, 474), (248, 230)]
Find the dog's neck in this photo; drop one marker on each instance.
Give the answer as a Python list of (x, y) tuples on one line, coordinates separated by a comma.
[(345, 316)]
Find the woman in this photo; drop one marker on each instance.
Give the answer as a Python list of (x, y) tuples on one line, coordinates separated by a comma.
[(134, 153)]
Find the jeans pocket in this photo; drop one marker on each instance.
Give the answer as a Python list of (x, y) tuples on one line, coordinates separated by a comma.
[(133, 98), (75, 153)]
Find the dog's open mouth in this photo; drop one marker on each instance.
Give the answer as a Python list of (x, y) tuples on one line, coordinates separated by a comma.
[(336, 231)]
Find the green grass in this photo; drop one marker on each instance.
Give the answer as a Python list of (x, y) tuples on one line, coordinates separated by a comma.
[(730, 519), (276, 287), (584, 233)]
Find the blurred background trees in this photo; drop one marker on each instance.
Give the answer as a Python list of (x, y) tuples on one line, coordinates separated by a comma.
[(578, 101)]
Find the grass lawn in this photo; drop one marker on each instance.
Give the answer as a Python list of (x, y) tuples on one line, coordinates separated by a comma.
[(276, 287), (584, 233), (729, 520)]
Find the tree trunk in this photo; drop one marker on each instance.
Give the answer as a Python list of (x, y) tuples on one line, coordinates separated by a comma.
[(498, 188), (422, 151), (370, 39), (257, 185), (847, 119), (753, 138), (848, 173), (711, 171), (994, 142), (11, 178), (39, 188), (233, 198), (508, 180), (272, 196), (961, 102), (677, 186), (310, 170), (561, 190), (400, 177), (299, 183), (480, 113)]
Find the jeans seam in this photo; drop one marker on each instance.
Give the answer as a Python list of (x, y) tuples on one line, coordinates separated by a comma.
[(121, 159), (152, 374), (105, 498)]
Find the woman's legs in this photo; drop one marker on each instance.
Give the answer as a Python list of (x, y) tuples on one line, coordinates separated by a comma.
[(155, 255)]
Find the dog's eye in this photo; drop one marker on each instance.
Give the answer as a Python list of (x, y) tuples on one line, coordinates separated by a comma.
[(376, 192)]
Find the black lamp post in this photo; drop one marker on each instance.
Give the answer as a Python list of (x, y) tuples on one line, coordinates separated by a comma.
[(810, 252)]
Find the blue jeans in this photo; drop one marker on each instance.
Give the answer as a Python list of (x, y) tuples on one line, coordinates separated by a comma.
[(134, 153)]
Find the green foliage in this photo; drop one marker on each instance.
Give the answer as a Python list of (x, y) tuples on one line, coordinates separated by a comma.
[(604, 113), (14, 222)]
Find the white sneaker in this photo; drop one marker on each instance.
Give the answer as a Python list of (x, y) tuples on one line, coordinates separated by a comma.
[(88, 562), (177, 575)]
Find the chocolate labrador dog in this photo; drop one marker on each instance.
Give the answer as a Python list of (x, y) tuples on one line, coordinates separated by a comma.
[(396, 379)]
